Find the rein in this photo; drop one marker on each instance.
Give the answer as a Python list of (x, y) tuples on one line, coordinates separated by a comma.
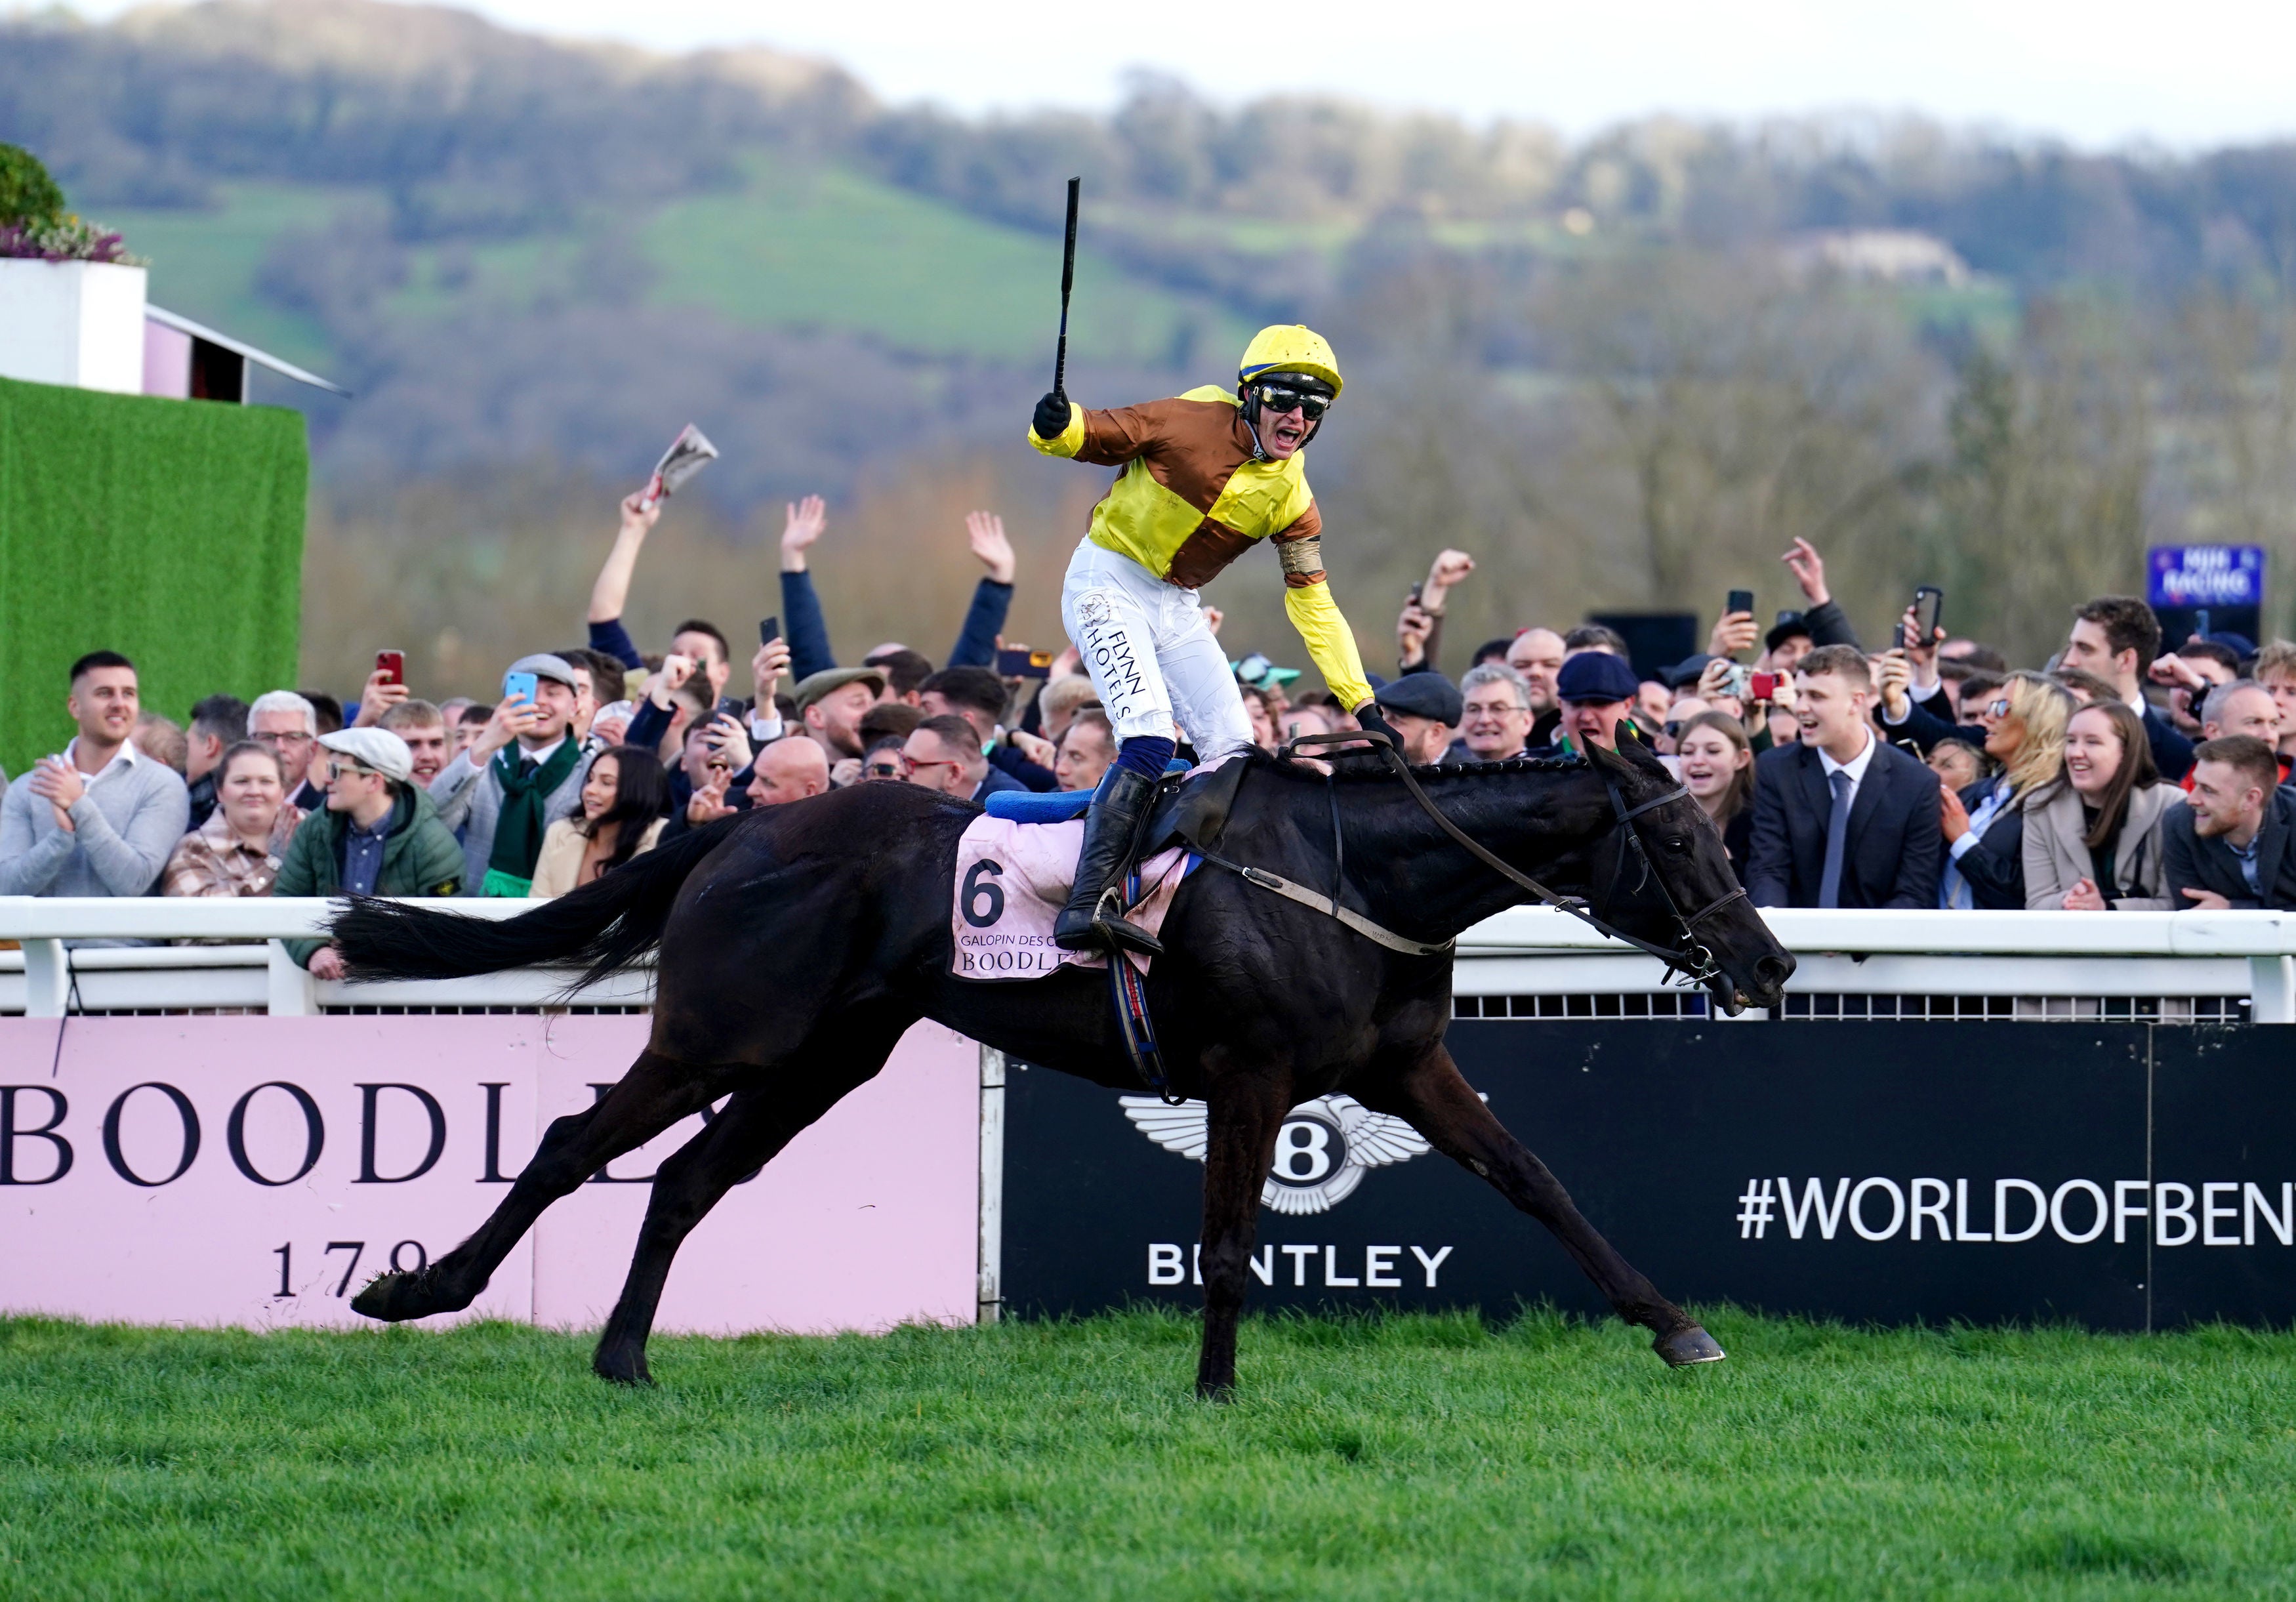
[(1692, 960)]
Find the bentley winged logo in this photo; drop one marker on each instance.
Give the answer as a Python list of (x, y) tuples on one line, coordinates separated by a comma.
[(1321, 1155)]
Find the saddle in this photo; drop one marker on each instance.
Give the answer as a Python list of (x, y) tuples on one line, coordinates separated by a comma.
[(1189, 810), (1188, 815)]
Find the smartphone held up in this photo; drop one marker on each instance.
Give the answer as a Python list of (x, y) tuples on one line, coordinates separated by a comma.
[(391, 665)]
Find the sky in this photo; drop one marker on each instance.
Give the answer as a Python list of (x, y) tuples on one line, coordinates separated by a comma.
[(2096, 73)]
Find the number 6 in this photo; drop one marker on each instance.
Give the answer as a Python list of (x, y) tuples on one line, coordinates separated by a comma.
[(975, 892)]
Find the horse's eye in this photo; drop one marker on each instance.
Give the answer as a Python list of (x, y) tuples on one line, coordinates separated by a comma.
[(1677, 843)]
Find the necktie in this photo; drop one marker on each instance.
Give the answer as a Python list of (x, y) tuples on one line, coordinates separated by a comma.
[(1837, 843)]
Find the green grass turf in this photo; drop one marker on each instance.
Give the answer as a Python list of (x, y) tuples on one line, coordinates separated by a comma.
[(1421, 1457)]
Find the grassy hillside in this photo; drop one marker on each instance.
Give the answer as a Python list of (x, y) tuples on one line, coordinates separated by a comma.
[(796, 247), (205, 262)]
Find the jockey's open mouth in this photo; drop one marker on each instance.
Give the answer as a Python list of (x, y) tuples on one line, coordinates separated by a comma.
[(1284, 432)]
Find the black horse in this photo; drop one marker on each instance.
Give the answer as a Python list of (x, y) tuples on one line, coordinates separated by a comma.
[(798, 943)]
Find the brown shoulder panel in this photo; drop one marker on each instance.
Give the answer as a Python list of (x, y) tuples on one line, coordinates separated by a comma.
[(1190, 446), (1204, 554)]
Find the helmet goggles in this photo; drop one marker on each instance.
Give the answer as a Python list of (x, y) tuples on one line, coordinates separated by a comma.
[(1288, 391)]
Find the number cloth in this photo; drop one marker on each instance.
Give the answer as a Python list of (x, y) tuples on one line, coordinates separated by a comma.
[(1192, 499), (1012, 880)]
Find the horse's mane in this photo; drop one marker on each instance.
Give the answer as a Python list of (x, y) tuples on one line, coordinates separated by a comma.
[(1365, 772)]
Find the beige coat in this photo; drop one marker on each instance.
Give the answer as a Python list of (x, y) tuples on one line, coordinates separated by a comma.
[(2056, 859), (561, 860)]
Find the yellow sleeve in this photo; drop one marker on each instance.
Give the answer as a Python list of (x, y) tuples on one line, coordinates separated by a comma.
[(1331, 643), (1071, 437)]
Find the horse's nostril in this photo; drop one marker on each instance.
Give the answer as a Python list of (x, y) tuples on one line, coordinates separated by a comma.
[(1775, 970)]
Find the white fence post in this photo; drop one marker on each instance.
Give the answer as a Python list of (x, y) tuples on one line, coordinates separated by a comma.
[(47, 978), (292, 992), (992, 1187), (2272, 989)]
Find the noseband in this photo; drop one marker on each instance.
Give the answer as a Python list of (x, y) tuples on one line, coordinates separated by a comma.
[(1692, 960)]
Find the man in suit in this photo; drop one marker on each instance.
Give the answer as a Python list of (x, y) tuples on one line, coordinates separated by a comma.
[(1841, 819), (2235, 843), (2116, 638)]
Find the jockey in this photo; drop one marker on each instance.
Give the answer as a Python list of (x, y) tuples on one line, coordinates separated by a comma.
[(1205, 477)]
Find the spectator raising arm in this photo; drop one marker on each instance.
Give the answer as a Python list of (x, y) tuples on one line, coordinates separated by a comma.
[(1419, 638), (1826, 623), (992, 597), (801, 621), (611, 594)]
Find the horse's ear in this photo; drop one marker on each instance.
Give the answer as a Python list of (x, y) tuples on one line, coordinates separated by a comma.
[(1607, 760)]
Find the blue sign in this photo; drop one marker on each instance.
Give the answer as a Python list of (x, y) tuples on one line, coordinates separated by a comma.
[(2204, 575)]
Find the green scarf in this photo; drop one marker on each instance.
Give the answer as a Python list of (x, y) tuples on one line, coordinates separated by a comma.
[(520, 825)]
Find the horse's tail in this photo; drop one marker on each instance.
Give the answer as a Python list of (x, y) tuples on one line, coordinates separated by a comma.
[(605, 926)]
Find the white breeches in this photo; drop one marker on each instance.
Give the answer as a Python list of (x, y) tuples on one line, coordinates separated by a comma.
[(1151, 655)]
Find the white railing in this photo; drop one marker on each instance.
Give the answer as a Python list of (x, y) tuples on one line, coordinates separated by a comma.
[(1524, 951)]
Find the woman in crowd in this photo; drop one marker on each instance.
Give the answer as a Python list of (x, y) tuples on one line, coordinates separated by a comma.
[(619, 814), (237, 852), (1984, 823), (1717, 769), (1257, 709), (2092, 838)]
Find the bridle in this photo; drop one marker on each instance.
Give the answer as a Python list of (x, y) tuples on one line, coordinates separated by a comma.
[(1693, 959)]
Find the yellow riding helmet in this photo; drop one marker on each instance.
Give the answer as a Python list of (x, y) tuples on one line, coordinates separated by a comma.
[(1290, 347)]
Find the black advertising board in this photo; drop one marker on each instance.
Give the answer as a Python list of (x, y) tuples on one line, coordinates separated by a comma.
[(1878, 1172)]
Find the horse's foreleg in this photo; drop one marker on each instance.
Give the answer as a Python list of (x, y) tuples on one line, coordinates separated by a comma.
[(1441, 1106), (655, 1094), (1247, 1113)]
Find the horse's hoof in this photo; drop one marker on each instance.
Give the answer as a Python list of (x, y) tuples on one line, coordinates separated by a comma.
[(394, 1298), (1224, 1391), (1688, 1346), (620, 1368)]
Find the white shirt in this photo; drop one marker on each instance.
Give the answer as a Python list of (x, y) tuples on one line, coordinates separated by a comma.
[(1855, 767), (126, 757), (542, 754)]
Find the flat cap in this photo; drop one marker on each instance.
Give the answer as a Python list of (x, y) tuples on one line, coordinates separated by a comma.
[(1422, 695), (543, 664), (813, 686), (378, 748), (1597, 676)]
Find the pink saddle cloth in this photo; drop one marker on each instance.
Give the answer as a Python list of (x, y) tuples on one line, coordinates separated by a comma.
[(1012, 881)]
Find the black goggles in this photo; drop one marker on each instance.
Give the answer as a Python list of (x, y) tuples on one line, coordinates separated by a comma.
[(1283, 398)]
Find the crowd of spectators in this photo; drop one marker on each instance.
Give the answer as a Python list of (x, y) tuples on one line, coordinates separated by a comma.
[(2116, 776)]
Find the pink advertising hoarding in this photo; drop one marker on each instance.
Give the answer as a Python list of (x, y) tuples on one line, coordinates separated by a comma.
[(256, 1172)]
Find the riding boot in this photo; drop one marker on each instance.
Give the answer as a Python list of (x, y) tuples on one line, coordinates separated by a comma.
[(1094, 919)]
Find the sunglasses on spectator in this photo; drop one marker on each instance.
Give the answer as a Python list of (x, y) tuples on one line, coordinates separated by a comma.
[(340, 768), (1281, 398), (1998, 709), (881, 767)]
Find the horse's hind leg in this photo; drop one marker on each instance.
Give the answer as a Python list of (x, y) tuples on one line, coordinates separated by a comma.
[(1246, 1115), (1439, 1105), (655, 1094), (753, 1128)]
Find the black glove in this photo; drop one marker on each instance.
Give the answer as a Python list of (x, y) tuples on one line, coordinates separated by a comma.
[(1371, 722), (1052, 418)]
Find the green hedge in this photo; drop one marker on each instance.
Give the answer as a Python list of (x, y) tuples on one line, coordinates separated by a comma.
[(168, 529)]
